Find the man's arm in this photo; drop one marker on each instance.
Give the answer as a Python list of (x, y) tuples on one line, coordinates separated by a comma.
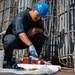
[(34, 31), (24, 38), (39, 30)]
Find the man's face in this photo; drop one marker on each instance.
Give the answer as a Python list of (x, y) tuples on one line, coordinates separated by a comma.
[(35, 15)]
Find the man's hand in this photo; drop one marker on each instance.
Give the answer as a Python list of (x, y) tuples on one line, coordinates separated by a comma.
[(31, 32), (32, 50)]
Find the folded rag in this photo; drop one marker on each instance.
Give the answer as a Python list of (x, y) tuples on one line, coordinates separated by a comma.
[(12, 65)]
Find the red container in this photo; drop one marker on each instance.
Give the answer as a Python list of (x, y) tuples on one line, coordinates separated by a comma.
[(25, 60)]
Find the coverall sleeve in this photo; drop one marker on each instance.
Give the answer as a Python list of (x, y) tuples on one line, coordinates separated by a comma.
[(19, 24)]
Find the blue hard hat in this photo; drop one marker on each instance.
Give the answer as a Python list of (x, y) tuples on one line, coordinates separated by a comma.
[(42, 8)]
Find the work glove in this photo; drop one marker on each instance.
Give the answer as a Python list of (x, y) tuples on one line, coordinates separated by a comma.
[(32, 50)]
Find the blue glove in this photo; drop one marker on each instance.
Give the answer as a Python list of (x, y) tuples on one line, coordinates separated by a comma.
[(32, 50)]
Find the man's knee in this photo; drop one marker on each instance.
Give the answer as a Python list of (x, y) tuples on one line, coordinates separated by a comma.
[(8, 39), (41, 37)]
